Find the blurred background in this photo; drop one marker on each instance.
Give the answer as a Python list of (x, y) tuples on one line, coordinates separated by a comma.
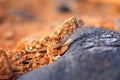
[(38, 18)]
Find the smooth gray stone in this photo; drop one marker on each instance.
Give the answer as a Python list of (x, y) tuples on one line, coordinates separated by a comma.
[(92, 56)]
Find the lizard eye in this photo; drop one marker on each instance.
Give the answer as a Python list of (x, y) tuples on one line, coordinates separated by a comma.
[(74, 21)]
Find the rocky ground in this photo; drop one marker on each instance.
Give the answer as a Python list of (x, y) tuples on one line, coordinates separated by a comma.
[(95, 53), (94, 56)]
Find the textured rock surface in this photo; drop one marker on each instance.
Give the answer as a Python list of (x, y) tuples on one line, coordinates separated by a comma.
[(95, 55), (5, 68)]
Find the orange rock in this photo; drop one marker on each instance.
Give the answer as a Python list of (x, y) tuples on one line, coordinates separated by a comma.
[(5, 68)]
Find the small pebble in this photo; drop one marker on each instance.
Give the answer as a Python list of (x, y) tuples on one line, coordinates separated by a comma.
[(64, 9)]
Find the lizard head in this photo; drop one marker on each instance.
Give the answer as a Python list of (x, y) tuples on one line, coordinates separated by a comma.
[(75, 21)]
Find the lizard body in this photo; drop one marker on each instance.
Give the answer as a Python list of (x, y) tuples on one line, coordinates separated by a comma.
[(58, 42)]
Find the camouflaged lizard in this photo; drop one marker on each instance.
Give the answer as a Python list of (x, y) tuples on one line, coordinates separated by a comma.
[(58, 42)]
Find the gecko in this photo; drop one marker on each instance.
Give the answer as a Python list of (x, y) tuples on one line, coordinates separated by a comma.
[(58, 42)]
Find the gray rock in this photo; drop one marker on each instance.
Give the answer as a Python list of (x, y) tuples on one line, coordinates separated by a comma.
[(94, 55)]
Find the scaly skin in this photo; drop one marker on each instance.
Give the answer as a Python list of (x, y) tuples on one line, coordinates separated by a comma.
[(58, 42), (53, 46)]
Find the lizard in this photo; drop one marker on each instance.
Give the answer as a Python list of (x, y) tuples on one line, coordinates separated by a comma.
[(54, 46), (58, 42)]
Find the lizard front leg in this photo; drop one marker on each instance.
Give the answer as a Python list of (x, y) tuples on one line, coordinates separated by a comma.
[(54, 53), (50, 52)]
